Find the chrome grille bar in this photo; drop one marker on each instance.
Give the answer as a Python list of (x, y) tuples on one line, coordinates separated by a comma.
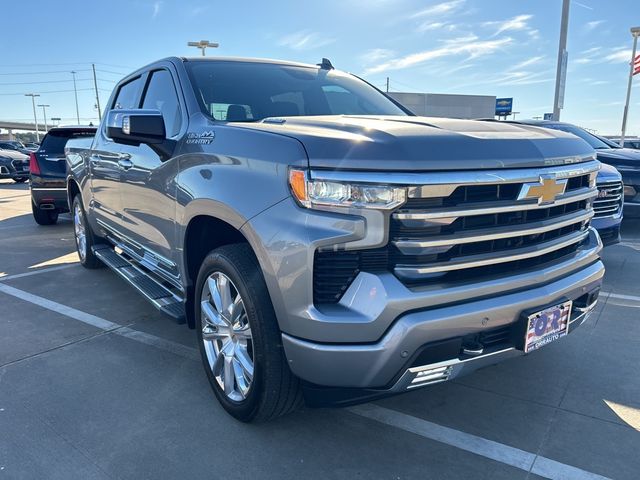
[(449, 215), (416, 272), (415, 247)]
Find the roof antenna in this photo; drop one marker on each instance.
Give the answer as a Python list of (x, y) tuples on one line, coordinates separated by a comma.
[(326, 64)]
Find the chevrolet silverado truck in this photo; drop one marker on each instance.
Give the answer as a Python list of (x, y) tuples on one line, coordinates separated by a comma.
[(325, 244)]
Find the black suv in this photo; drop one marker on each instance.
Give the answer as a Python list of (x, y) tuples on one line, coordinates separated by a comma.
[(48, 173)]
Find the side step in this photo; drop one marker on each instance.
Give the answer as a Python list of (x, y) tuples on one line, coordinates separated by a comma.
[(161, 297)]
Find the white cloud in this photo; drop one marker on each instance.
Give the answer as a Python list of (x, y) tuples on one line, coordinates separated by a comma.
[(376, 55), (519, 22), (582, 5), (439, 9), (431, 26), (592, 25), (156, 9), (305, 40), (526, 63), (619, 55), (461, 46)]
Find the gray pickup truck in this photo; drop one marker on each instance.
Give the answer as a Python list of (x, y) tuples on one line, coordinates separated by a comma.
[(326, 244)]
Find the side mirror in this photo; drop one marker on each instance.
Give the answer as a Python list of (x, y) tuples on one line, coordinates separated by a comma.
[(136, 126)]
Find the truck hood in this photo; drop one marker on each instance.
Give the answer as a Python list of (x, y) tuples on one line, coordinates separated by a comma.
[(13, 155), (423, 143), (620, 157)]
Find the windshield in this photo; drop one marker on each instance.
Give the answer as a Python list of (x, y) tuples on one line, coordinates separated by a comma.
[(8, 146), (591, 139), (246, 92)]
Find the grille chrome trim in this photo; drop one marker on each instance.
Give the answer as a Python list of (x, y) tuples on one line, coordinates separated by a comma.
[(450, 214), (409, 247), (456, 179), (611, 204), (471, 261)]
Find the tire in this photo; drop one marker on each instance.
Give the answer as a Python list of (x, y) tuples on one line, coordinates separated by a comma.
[(83, 235), (20, 180), (44, 217), (272, 390)]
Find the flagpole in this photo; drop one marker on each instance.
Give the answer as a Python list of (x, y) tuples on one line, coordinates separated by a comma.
[(635, 31)]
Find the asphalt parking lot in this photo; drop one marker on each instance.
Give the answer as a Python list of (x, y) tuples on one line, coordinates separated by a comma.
[(95, 384)]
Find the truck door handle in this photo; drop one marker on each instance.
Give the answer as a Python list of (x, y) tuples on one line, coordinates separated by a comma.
[(124, 163)]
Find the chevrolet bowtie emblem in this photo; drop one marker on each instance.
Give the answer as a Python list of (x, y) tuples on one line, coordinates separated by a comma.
[(546, 190)]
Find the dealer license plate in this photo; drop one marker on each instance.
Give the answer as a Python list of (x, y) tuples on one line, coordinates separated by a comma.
[(547, 326)]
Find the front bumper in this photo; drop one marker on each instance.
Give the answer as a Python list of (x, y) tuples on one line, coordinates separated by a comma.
[(608, 228), (8, 171), (383, 364)]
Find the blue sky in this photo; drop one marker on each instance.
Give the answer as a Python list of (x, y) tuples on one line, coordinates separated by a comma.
[(493, 47)]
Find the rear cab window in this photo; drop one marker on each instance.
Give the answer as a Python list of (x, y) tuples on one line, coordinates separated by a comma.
[(55, 141)]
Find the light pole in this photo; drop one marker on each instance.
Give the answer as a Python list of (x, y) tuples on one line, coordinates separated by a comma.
[(561, 71), (35, 117), (635, 32), (203, 44), (75, 91), (44, 113)]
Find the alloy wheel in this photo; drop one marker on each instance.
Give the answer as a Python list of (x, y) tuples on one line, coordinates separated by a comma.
[(79, 231), (226, 335)]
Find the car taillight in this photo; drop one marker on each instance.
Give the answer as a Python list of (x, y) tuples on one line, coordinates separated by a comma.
[(34, 168)]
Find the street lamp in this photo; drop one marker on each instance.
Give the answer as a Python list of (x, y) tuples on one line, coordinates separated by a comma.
[(203, 44), (35, 117), (44, 113), (75, 90), (635, 33)]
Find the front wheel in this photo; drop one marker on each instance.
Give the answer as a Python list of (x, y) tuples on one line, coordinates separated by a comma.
[(239, 338), (84, 237)]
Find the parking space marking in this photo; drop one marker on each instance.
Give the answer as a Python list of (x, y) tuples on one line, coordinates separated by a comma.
[(37, 272), (102, 324), (620, 296), (515, 457)]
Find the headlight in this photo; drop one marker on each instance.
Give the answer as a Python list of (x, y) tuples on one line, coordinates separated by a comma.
[(329, 193), (629, 191)]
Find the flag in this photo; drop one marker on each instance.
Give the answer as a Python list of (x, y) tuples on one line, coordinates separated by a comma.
[(636, 65)]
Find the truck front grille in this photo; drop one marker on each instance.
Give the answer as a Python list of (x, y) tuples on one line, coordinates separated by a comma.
[(479, 227), (609, 200)]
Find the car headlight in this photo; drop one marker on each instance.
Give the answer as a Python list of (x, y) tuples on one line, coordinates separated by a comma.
[(629, 191), (312, 193)]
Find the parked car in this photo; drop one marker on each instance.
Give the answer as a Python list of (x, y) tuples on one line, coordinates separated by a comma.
[(629, 142), (32, 146), (14, 165), (14, 145), (625, 160), (325, 243), (48, 173)]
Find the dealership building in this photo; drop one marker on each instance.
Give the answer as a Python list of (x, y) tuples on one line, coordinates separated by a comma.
[(451, 106)]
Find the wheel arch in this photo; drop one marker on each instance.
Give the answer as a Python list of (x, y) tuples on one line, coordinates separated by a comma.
[(198, 242)]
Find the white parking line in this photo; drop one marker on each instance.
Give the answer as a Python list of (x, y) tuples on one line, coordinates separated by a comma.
[(521, 459), (37, 272), (622, 297), (527, 461), (102, 324)]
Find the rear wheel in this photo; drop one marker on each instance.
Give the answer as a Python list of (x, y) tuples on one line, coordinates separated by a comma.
[(44, 217), (83, 235), (239, 338)]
